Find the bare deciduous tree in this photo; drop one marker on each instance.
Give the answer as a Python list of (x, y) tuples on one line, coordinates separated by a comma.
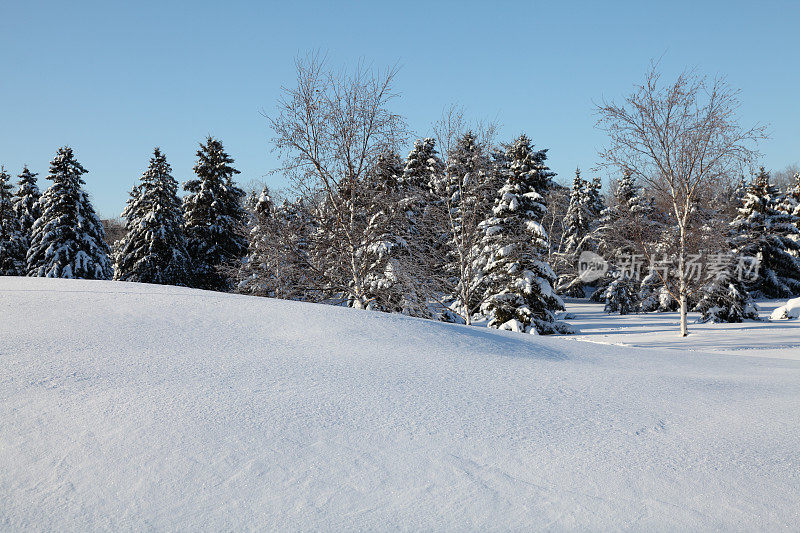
[(680, 138), (331, 130)]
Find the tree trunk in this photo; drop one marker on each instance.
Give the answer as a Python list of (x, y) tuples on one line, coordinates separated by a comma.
[(682, 290)]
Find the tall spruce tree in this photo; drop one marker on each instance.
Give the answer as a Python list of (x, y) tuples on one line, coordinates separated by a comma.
[(13, 244), (258, 272), (68, 240), (580, 220), (763, 231), (26, 202), (390, 281), (422, 171), (462, 206), (154, 247), (214, 217), (519, 293)]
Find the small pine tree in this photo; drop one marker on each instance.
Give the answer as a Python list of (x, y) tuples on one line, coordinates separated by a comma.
[(620, 297), (725, 299), (214, 218), (68, 240), (13, 244), (763, 231), (649, 291), (519, 291), (153, 249), (26, 202)]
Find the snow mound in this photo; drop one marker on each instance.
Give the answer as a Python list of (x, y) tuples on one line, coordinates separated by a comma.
[(127, 406), (788, 311)]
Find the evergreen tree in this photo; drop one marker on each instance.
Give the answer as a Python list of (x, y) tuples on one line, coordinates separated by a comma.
[(519, 291), (13, 245), (68, 240), (154, 248), (623, 226), (423, 168), (26, 203), (358, 247), (594, 201), (649, 293), (577, 221), (256, 274), (214, 218), (725, 299), (390, 281), (422, 172), (620, 297), (791, 202), (761, 230), (277, 263), (461, 207), (585, 206)]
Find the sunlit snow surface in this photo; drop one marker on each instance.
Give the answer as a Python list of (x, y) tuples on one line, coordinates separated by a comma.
[(767, 338), (131, 407)]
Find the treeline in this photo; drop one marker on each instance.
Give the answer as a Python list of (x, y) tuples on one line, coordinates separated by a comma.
[(484, 234), (456, 239), (462, 228)]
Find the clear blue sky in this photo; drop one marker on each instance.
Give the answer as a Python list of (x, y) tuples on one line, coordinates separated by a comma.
[(114, 79)]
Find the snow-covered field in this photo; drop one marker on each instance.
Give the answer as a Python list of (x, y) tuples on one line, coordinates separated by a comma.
[(769, 338), (131, 407)]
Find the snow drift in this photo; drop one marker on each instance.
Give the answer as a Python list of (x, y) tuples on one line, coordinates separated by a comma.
[(127, 406), (789, 310)]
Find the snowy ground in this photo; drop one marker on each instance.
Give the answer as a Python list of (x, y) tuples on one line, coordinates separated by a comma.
[(131, 407), (778, 338)]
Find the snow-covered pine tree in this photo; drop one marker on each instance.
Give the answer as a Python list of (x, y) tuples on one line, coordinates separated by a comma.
[(67, 240), (576, 222), (579, 221), (422, 171), (256, 273), (763, 231), (518, 293), (13, 244), (423, 168), (214, 218), (154, 247), (594, 201), (622, 227), (725, 299), (649, 293), (620, 297), (791, 201), (26, 202), (357, 248), (391, 283), (461, 209)]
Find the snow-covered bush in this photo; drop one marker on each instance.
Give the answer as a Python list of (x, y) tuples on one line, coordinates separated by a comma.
[(789, 310)]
